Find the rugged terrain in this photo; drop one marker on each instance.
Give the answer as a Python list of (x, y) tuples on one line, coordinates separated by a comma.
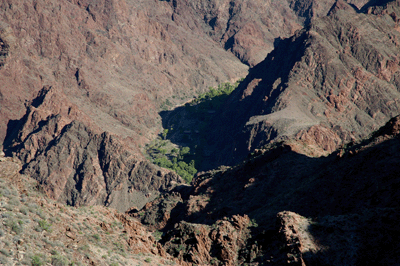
[(103, 69), (311, 168), (91, 75)]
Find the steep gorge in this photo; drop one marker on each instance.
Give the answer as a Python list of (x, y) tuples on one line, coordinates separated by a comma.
[(83, 82), (107, 66)]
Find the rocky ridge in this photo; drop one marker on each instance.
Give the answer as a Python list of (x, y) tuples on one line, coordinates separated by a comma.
[(333, 82), (76, 165), (251, 29)]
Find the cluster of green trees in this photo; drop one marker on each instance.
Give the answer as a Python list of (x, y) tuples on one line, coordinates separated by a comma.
[(182, 168), (223, 89), (193, 133), (176, 159)]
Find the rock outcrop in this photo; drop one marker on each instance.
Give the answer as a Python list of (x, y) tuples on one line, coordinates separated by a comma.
[(38, 230)]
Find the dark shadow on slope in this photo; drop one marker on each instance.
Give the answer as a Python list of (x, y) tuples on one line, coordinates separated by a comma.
[(256, 95), (359, 189), (189, 126), (13, 127), (374, 3), (213, 128)]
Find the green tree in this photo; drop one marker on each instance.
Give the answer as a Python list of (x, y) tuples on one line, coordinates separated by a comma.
[(165, 133)]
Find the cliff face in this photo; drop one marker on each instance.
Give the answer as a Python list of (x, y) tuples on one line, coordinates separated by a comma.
[(333, 82)]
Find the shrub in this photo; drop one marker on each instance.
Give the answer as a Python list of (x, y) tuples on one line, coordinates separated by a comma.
[(15, 227), (38, 260), (43, 225), (3, 261), (23, 211), (4, 252), (41, 214), (96, 237), (14, 201)]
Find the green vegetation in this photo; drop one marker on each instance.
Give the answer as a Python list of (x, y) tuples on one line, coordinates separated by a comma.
[(165, 105), (164, 154), (43, 225), (38, 260), (96, 237), (157, 235), (216, 96), (253, 223), (14, 226)]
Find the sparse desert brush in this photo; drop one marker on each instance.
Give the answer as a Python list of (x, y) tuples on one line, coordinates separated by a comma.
[(14, 201), (41, 214), (39, 231), (14, 226), (96, 237)]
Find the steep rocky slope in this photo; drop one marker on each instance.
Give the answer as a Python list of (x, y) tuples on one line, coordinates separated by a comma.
[(79, 166), (282, 207), (333, 82), (251, 29), (36, 230)]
